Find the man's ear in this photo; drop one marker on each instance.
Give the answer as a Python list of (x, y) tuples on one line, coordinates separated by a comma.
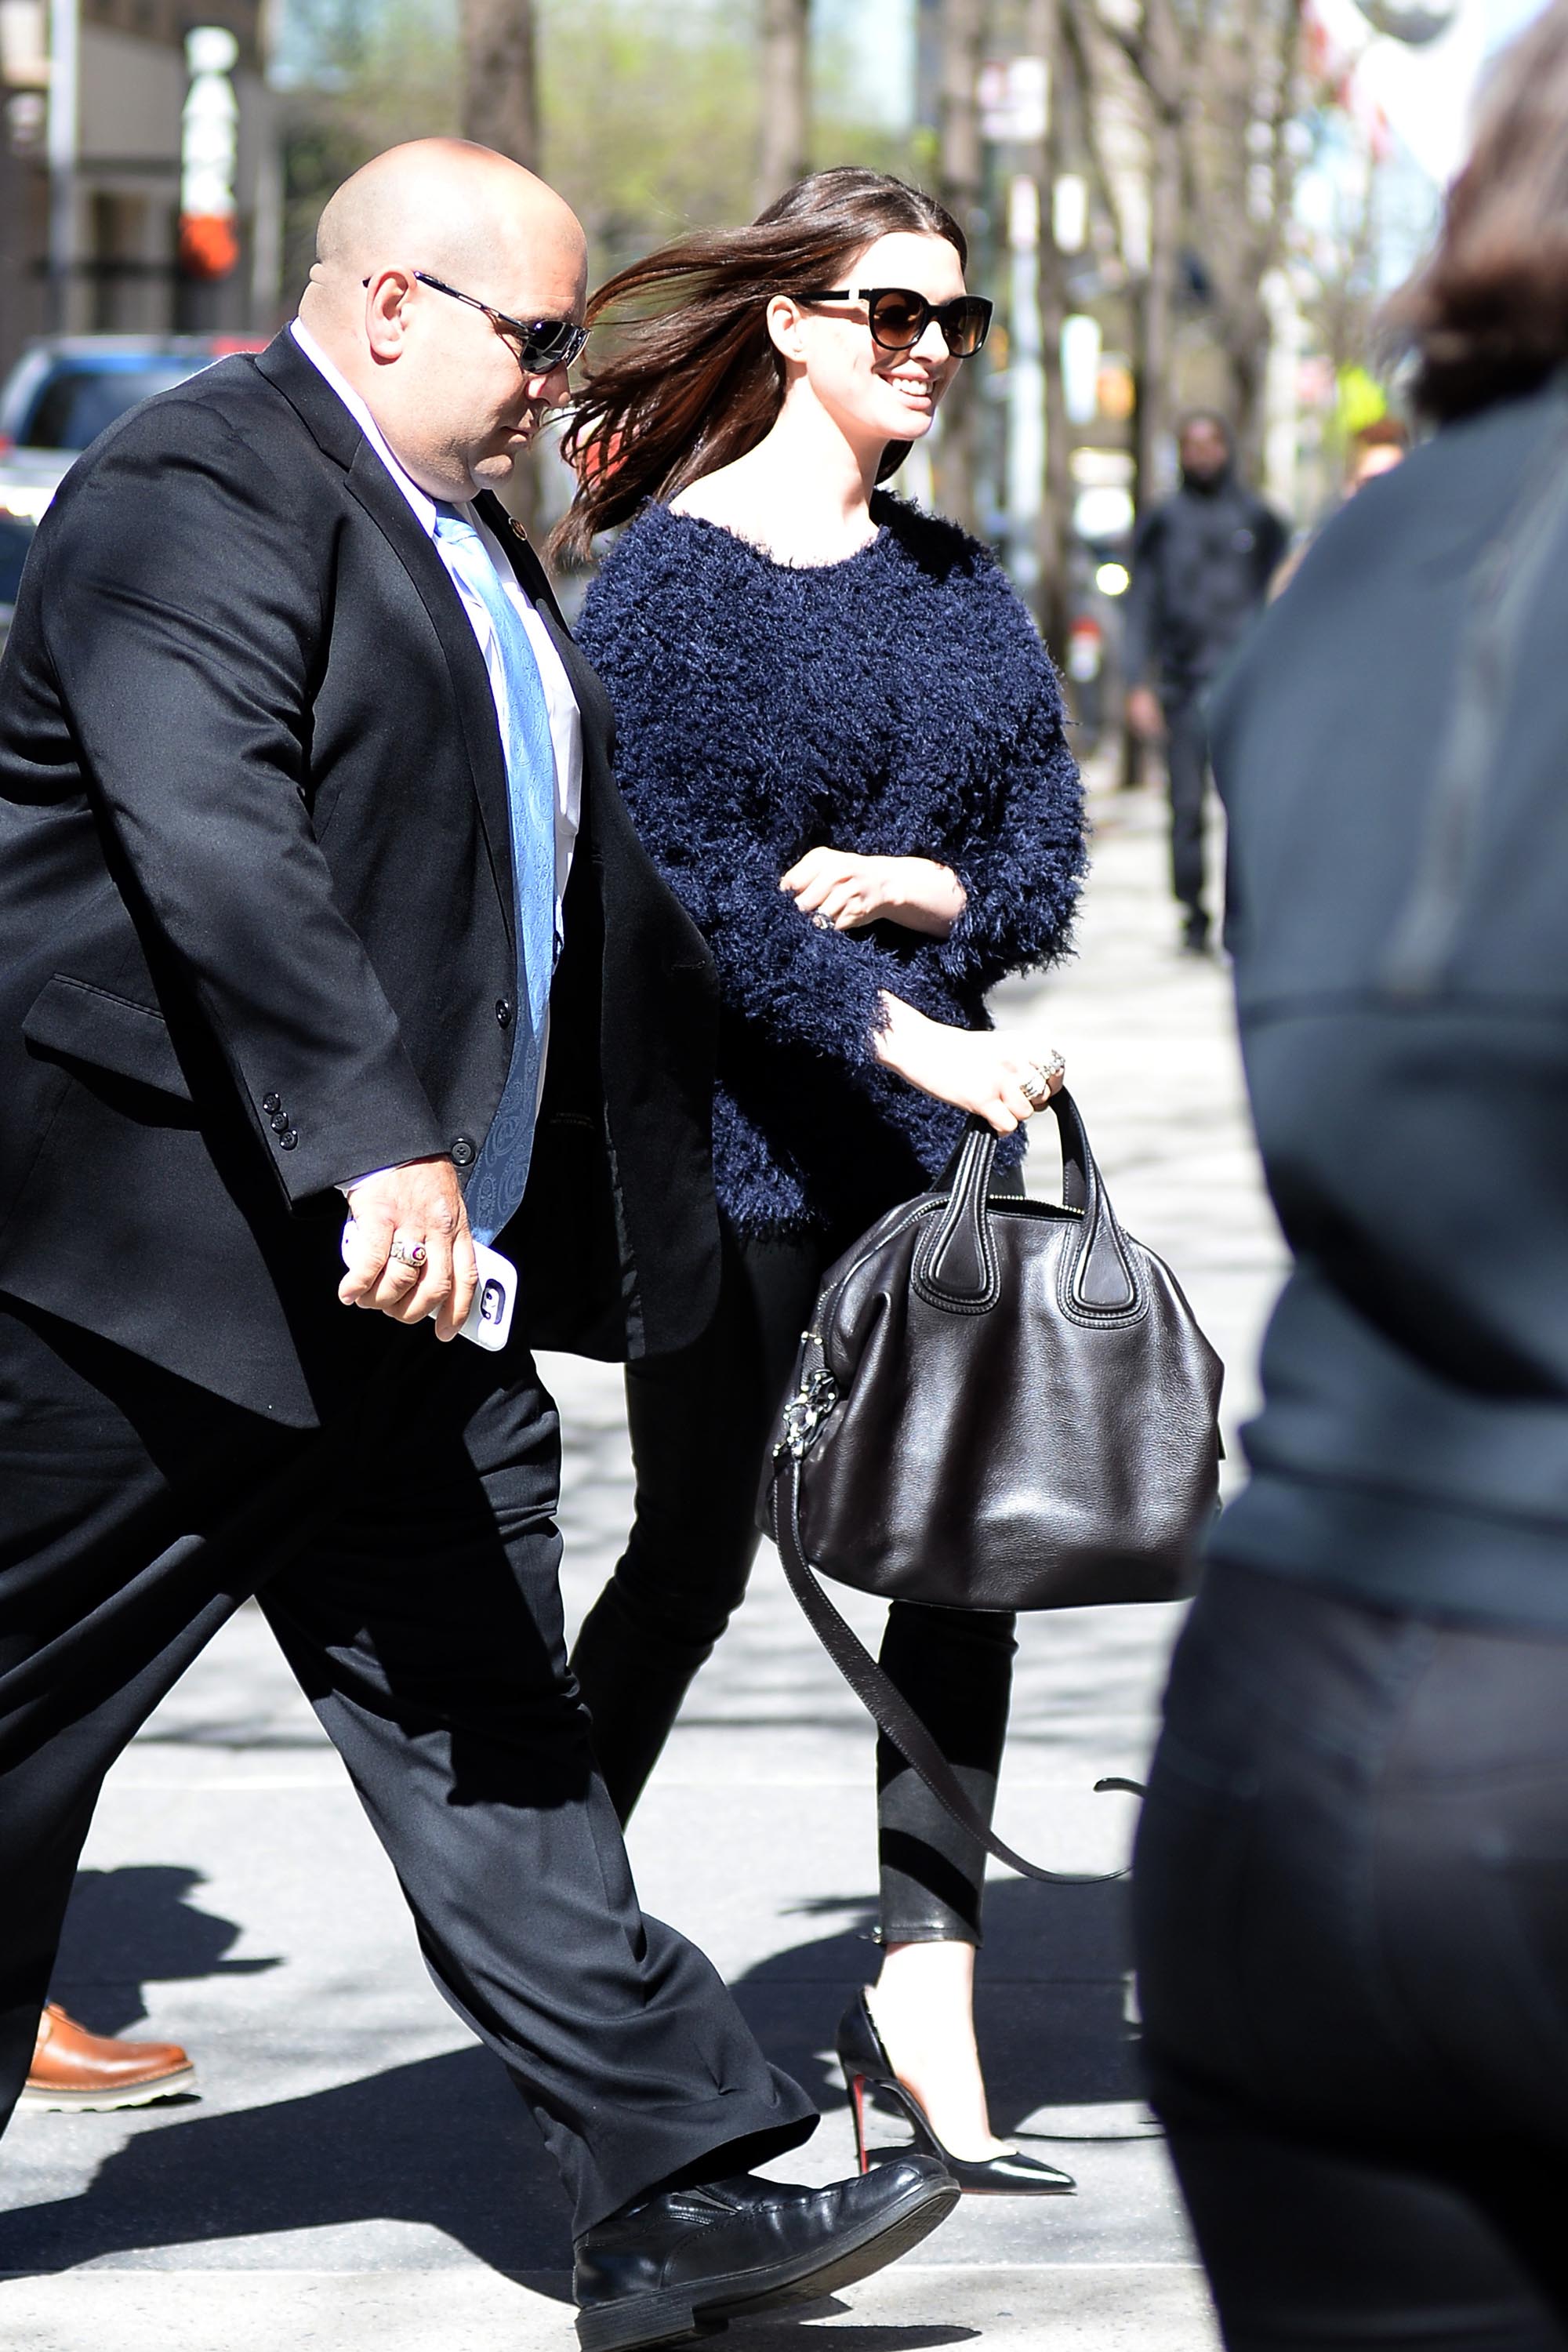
[(385, 321)]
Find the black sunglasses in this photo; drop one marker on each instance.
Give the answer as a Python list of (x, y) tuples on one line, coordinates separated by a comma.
[(543, 345), (899, 316)]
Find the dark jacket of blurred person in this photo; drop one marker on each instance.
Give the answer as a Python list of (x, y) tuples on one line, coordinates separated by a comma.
[(1351, 1879), (1202, 563), (1413, 1324)]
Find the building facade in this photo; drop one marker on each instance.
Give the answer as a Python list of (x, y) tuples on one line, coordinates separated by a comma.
[(163, 97)]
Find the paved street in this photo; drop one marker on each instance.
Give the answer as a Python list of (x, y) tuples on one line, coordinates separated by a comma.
[(354, 2171)]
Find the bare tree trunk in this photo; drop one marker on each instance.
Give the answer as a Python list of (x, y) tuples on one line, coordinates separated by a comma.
[(1151, 362), (501, 109), (1053, 600), (500, 83), (1153, 349), (785, 140), (961, 168), (1247, 367)]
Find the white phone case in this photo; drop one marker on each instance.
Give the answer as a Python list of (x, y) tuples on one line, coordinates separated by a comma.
[(488, 1322)]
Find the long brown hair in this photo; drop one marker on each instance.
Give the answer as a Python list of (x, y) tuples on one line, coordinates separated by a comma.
[(1488, 315), (694, 379)]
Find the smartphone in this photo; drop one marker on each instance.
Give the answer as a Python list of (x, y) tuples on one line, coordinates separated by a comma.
[(488, 1320)]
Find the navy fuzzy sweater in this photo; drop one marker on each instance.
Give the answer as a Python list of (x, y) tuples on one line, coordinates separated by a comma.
[(896, 704)]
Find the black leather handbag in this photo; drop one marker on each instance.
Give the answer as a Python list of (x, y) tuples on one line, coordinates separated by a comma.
[(1001, 1404)]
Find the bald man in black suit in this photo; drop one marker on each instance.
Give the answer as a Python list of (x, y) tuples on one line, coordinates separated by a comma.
[(313, 883)]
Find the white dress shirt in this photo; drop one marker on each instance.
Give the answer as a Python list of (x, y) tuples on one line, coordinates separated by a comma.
[(565, 718)]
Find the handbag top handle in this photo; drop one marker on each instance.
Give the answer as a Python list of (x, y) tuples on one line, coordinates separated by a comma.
[(956, 1265)]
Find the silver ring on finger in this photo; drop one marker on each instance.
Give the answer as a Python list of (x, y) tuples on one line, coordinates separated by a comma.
[(1036, 1079), (404, 1253)]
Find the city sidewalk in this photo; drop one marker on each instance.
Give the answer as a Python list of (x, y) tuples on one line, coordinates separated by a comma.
[(356, 2172)]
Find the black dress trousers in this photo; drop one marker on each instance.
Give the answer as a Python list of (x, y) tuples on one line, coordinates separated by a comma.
[(408, 1560), (1187, 775)]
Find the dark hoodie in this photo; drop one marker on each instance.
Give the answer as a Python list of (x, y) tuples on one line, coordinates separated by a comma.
[(1202, 563)]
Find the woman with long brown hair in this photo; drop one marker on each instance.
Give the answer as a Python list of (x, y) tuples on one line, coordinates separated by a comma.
[(841, 741)]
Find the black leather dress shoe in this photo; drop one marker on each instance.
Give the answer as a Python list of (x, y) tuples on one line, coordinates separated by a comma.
[(694, 2258)]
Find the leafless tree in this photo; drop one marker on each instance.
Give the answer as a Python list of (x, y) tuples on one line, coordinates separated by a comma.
[(500, 101), (1219, 85), (785, 139), (960, 168), (1043, 38), (500, 77)]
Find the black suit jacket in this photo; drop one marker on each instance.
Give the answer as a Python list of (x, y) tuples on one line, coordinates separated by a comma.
[(257, 919)]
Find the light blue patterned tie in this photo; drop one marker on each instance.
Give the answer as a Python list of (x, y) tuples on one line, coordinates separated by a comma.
[(500, 1172)]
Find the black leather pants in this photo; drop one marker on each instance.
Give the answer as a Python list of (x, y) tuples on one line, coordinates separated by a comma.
[(699, 1424)]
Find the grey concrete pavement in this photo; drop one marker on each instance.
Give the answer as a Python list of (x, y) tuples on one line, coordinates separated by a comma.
[(354, 2171)]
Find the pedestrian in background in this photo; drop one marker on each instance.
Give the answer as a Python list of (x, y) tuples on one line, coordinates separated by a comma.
[(1375, 450), (842, 742), (1202, 563), (1351, 1876)]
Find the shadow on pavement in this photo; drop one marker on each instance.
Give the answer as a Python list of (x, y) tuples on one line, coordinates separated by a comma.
[(445, 2144), (130, 1927), (1050, 2001)]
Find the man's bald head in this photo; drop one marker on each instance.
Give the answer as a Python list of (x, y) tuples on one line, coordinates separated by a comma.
[(446, 381), (445, 205)]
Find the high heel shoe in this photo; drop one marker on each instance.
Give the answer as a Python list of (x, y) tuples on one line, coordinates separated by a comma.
[(863, 2055)]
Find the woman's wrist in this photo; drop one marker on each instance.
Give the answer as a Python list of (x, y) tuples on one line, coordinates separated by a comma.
[(844, 891), (897, 1040), (999, 1078), (931, 896)]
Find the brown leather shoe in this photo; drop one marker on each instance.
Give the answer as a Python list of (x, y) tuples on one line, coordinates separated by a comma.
[(75, 2069)]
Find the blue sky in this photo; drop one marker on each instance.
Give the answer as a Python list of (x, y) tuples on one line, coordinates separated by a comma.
[(880, 35)]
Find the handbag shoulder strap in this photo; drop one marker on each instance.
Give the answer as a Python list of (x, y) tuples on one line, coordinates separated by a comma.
[(886, 1705)]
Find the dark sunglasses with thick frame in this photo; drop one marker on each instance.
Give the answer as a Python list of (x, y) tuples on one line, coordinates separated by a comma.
[(899, 316), (542, 344)]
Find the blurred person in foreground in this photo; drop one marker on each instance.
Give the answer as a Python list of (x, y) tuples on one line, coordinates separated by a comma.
[(1202, 563), (1352, 1874), (314, 884), (842, 743)]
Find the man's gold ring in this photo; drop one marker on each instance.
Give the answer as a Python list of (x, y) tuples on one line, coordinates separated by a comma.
[(404, 1253)]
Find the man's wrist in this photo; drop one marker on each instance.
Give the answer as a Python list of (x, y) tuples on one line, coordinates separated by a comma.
[(350, 1184)]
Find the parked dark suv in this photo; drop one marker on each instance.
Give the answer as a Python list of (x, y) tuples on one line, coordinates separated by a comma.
[(65, 390), (15, 537)]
